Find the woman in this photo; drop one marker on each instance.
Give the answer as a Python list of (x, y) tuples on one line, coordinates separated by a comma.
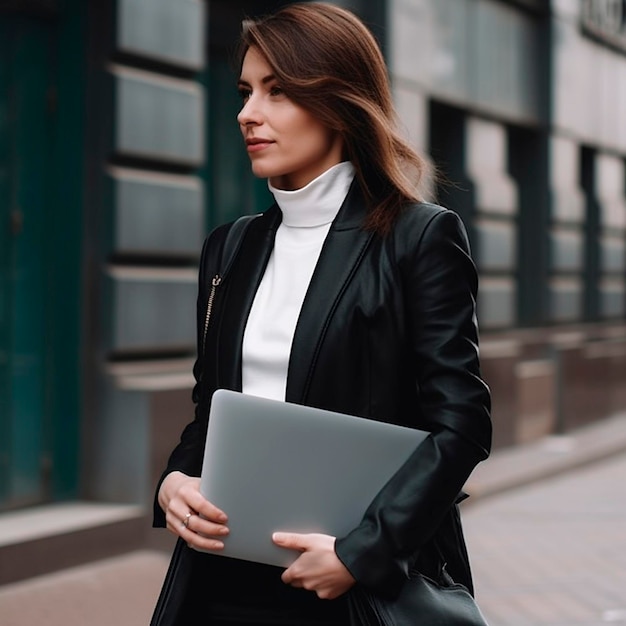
[(347, 294)]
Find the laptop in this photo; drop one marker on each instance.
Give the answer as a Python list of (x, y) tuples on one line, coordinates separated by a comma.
[(276, 466)]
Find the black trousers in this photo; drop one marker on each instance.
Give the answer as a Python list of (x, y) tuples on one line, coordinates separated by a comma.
[(333, 613), (229, 592)]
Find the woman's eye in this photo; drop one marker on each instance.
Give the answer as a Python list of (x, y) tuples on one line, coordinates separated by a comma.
[(244, 94), (276, 91)]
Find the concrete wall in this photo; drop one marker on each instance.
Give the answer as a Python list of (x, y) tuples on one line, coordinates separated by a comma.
[(523, 109), (147, 216)]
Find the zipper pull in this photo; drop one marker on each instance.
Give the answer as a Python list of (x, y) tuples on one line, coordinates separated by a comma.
[(215, 283)]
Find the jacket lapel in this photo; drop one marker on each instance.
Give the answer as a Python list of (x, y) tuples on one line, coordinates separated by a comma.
[(340, 256), (242, 284)]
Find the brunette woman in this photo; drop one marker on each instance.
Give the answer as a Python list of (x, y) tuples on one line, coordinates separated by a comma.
[(348, 294)]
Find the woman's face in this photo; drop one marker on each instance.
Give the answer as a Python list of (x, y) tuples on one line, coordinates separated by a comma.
[(284, 141)]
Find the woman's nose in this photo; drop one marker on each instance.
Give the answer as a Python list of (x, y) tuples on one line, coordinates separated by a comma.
[(249, 113)]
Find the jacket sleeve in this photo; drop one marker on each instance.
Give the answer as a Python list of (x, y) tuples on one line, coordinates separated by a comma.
[(440, 286), (187, 455)]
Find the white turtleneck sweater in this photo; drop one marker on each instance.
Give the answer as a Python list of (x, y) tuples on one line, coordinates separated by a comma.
[(307, 215)]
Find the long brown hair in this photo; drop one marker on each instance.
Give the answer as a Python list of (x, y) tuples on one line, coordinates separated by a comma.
[(327, 61)]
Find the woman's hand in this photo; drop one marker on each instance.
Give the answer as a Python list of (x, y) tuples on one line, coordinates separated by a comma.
[(318, 568), (189, 514)]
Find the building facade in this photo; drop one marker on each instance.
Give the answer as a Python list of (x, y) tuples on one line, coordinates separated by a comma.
[(119, 150)]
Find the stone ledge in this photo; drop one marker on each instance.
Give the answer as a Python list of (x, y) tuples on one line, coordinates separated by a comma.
[(519, 465), (43, 539)]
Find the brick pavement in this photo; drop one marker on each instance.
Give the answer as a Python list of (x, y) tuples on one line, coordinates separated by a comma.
[(553, 553)]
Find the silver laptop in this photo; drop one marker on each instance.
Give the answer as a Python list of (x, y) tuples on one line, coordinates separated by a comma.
[(275, 466)]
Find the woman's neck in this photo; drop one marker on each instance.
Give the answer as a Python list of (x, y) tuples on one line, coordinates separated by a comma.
[(318, 202)]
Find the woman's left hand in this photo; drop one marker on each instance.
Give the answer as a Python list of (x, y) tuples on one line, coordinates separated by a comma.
[(318, 568)]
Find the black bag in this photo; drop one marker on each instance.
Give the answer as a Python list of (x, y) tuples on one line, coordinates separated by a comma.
[(421, 602)]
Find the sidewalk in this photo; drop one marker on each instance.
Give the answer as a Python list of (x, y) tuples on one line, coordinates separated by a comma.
[(120, 591), (553, 553), (546, 527)]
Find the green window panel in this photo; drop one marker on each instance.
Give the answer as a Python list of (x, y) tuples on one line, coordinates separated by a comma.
[(497, 303), (566, 299), (567, 250), (612, 254), (153, 309), (157, 214), (159, 118), (166, 30), (612, 298), (497, 245)]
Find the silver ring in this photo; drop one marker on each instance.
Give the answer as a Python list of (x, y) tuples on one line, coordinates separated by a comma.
[(186, 520)]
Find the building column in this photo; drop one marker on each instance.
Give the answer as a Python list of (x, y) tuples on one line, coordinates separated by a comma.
[(495, 221), (611, 194), (566, 232)]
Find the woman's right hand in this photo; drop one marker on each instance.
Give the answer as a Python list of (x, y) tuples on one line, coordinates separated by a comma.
[(189, 514)]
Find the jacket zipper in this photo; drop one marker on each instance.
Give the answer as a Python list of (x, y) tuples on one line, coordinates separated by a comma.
[(217, 279)]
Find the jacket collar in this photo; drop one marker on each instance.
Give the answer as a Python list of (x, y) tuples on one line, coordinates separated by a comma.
[(340, 257), (243, 282), (341, 254)]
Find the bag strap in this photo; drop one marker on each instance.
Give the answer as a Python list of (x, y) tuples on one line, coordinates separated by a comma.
[(234, 239)]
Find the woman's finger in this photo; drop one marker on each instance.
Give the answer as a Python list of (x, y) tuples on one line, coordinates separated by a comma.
[(209, 511), (205, 527), (294, 541), (190, 494), (194, 540)]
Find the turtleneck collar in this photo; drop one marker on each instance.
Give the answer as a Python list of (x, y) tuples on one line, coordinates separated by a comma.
[(317, 203)]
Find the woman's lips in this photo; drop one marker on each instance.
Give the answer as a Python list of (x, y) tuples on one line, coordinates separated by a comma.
[(255, 145)]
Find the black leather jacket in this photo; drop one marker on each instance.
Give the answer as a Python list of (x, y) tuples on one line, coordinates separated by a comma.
[(387, 331)]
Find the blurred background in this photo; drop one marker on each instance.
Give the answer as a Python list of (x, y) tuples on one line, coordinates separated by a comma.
[(119, 151)]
